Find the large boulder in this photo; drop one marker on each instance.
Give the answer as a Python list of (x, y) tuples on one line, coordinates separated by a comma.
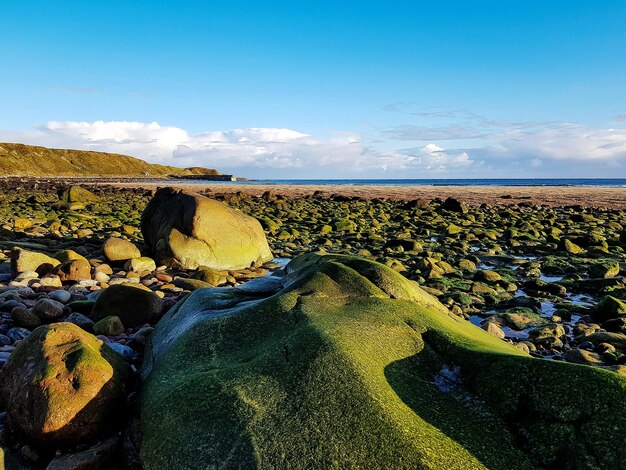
[(63, 386), (76, 193), (133, 305), (188, 230), (345, 363), (23, 261)]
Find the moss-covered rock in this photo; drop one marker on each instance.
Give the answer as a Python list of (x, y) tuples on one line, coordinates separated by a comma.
[(62, 386), (188, 230), (608, 308), (77, 194), (345, 363)]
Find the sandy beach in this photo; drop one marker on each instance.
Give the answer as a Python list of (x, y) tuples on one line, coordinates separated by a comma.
[(597, 197)]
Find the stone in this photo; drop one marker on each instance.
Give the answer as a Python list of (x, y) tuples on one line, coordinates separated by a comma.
[(190, 284), (60, 295), (17, 333), (454, 205), (48, 309), (117, 249), (570, 247), (104, 269), (487, 276), (549, 336), (521, 318), (348, 354), (51, 280), (133, 305), (74, 270), (608, 308), (76, 193), (24, 261), (98, 457), (141, 264), (125, 351), (68, 255), (26, 276), (62, 387), (22, 224), (185, 229), (109, 326), (580, 356), (604, 270), (25, 318), (212, 277), (81, 320), (493, 329)]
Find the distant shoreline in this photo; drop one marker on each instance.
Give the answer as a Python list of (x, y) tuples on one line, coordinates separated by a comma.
[(598, 197), (554, 196)]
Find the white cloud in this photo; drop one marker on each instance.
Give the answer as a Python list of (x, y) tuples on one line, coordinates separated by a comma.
[(508, 148), (249, 151)]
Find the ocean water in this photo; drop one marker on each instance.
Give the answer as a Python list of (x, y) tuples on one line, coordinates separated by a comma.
[(579, 182)]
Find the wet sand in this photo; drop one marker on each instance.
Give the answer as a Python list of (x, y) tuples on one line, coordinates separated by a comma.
[(597, 197)]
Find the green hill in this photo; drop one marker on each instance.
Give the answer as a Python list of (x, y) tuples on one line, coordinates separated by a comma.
[(30, 160)]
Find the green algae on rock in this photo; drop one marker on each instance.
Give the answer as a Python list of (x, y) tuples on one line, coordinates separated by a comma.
[(63, 386), (345, 363), (189, 230)]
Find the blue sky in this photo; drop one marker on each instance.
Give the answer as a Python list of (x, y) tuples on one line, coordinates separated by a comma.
[(324, 89)]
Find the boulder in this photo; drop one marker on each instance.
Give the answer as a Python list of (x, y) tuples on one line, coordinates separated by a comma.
[(25, 318), (604, 270), (61, 386), (188, 230), (134, 306), (117, 249), (76, 193), (345, 363), (48, 309), (608, 308), (74, 270), (30, 261), (109, 326), (454, 205)]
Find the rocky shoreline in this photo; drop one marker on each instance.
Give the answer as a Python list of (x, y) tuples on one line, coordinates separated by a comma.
[(80, 267)]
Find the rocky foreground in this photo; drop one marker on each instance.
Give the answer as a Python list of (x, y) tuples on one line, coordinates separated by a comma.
[(422, 334)]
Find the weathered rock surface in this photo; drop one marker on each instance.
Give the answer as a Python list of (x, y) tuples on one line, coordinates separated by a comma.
[(62, 386), (185, 229), (346, 363), (134, 306), (30, 261), (118, 249), (77, 194)]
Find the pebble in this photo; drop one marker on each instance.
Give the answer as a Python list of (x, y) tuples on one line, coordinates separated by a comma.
[(60, 295), (17, 333), (48, 309), (125, 351)]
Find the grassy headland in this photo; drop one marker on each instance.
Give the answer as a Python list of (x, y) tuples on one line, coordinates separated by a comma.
[(30, 160)]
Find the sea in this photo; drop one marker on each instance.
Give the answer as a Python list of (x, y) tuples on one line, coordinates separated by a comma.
[(565, 182)]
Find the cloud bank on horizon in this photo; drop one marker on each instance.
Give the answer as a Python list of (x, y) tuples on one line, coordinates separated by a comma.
[(431, 150)]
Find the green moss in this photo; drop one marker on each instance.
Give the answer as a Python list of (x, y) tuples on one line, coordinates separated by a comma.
[(337, 370)]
